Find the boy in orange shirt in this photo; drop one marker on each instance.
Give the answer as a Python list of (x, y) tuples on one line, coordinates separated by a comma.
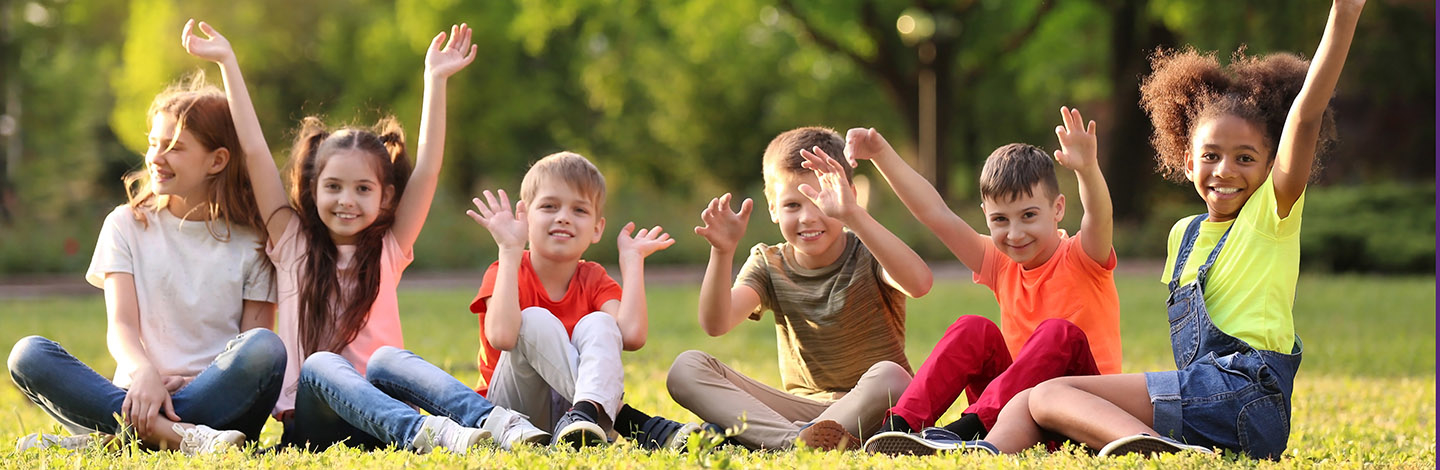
[(1059, 312)]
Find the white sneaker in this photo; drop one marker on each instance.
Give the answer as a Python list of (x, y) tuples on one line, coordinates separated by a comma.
[(511, 429), (1149, 445), (439, 431), (51, 441), (201, 439)]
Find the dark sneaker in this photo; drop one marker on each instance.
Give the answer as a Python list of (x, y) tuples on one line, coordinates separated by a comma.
[(578, 429), (940, 434), (1149, 445), (929, 443), (827, 435), (660, 433), (895, 423)]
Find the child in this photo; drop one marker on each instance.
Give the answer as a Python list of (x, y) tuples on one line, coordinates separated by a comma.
[(1246, 136), (189, 298), (839, 302), (1059, 312), (551, 324), (340, 251)]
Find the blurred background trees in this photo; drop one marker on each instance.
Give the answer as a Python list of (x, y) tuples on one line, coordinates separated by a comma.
[(675, 101)]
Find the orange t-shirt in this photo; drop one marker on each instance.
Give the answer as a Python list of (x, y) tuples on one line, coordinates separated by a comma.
[(589, 288), (1070, 286)]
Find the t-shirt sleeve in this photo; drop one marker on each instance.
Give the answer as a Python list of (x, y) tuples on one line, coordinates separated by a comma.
[(259, 280), (1079, 257), (1172, 247), (991, 268), (113, 248), (487, 288), (603, 288), (1260, 214), (395, 257), (755, 274)]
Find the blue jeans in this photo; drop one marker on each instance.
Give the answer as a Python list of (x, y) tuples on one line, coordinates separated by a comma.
[(406, 376), (237, 390), (335, 403)]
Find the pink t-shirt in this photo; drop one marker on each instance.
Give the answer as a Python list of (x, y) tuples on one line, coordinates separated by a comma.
[(381, 329)]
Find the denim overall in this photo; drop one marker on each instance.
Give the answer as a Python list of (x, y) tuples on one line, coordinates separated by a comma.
[(1225, 393)]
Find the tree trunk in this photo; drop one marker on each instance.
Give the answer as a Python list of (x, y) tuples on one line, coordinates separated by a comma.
[(1127, 156)]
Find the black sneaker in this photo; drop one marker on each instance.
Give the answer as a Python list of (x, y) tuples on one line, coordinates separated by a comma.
[(578, 429), (897, 424), (660, 433)]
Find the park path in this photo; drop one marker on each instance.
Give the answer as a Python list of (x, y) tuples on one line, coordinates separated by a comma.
[(56, 285)]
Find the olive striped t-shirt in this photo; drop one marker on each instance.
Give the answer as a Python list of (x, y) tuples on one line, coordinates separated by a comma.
[(831, 323)]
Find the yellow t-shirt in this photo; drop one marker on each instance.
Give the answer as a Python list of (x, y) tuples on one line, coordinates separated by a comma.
[(1250, 293)]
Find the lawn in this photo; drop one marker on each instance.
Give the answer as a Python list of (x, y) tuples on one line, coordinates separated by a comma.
[(1365, 396)]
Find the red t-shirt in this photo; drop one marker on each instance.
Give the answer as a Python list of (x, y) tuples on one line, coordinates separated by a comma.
[(1069, 286), (590, 288)]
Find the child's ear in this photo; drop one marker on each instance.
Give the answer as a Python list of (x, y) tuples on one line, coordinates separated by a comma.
[(599, 230), (218, 159), (1189, 166), (1059, 208), (774, 216), (388, 197)]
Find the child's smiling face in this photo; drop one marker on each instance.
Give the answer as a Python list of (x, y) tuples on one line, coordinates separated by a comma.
[(815, 236), (562, 221), (349, 195), (1024, 228), (1228, 159), (179, 165)]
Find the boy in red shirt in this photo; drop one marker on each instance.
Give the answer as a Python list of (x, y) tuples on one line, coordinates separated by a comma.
[(551, 324), (1059, 312)]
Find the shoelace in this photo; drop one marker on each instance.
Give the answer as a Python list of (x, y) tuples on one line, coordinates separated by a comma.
[(190, 439)]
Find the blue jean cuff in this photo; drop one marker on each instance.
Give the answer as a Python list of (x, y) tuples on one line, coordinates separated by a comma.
[(1164, 389)]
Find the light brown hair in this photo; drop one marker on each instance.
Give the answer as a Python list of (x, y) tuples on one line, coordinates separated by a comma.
[(1014, 169), (782, 156), (570, 168)]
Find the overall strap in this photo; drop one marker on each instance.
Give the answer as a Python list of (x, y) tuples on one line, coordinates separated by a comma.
[(1192, 233)]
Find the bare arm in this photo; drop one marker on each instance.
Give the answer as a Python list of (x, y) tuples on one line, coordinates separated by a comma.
[(257, 315), (722, 307), (1296, 151), (1077, 152), (632, 314), (441, 60), (918, 196), (502, 309), (903, 269), (264, 176), (148, 396)]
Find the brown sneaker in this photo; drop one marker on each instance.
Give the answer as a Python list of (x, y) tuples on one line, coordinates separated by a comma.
[(827, 435)]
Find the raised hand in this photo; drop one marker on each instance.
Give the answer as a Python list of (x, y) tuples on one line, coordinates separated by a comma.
[(644, 243), (445, 58), (1077, 143), (509, 229), (835, 197), (863, 144), (214, 47), (723, 228)]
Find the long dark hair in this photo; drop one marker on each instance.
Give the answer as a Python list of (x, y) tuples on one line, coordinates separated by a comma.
[(320, 285)]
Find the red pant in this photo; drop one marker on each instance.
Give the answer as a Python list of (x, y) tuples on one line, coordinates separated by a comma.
[(972, 357)]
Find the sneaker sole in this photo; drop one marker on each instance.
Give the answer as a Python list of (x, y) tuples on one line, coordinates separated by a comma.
[(1147, 445), (903, 443), (581, 434)]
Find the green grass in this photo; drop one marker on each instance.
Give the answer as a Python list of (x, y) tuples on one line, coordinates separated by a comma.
[(1365, 396)]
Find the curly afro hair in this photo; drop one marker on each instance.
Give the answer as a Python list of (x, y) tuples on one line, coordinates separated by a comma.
[(1188, 87)]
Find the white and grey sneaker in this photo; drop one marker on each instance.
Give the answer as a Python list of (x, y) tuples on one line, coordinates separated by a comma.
[(51, 441), (439, 431), (510, 429), (1149, 445), (201, 439)]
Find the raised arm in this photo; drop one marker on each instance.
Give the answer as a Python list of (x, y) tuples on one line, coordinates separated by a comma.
[(502, 309), (632, 314), (442, 59), (903, 269), (1078, 149), (1295, 153), (721, 306), (264, 177), (918, 196)]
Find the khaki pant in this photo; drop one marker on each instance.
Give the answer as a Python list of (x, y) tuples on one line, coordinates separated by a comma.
[(549, 369), (773, 418)]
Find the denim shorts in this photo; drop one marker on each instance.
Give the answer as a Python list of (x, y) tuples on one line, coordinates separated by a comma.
[(1233, 402)]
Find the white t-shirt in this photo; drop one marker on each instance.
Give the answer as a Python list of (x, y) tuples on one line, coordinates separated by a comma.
[(190, 287), (382, 327)]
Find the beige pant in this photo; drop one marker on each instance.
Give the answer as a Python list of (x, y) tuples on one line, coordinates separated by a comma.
[(773, 418), (548, 369)]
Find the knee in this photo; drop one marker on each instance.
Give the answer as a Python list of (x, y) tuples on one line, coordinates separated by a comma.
[(385, 361), (596, 326), (259, 351), (890, 379), (1044, 401), (26, 353), (320, 364), (689, 367), (1058, 328), (973, 326), (539, 321)]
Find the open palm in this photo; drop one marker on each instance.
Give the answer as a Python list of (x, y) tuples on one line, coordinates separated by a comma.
[(215, 48), (509, 229), (723, 227), (445, 58), (835, 196)]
